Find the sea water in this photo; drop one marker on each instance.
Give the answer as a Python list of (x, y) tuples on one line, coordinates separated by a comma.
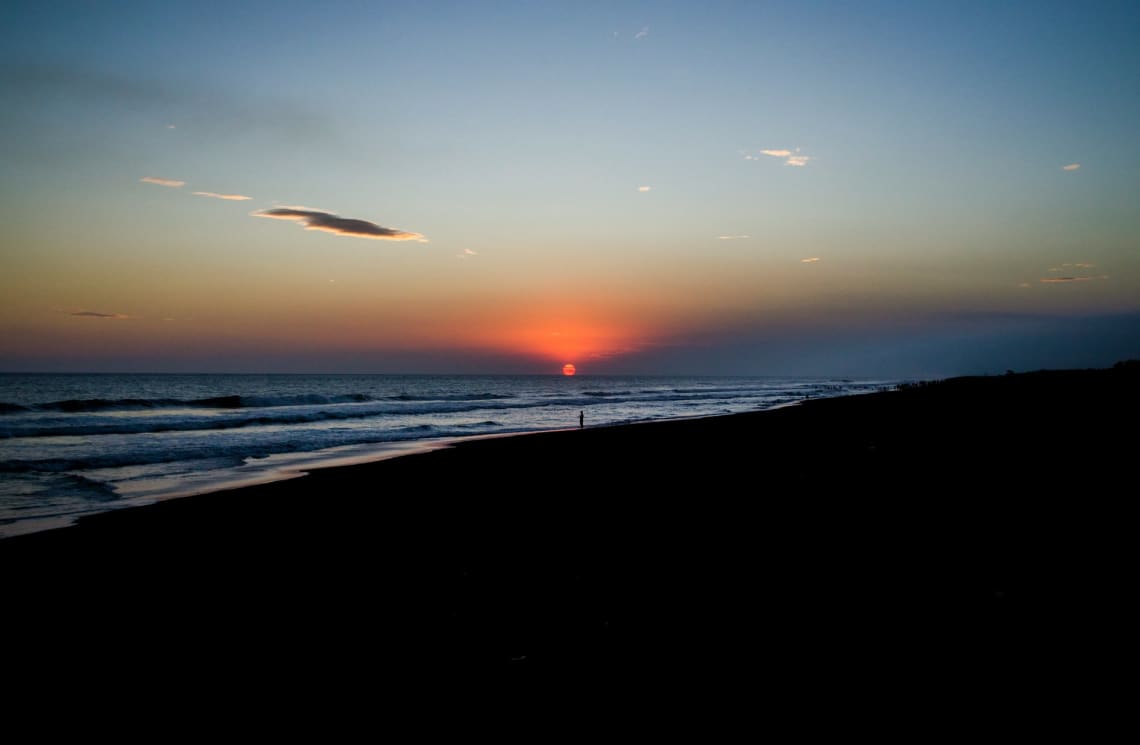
[(76, 444)]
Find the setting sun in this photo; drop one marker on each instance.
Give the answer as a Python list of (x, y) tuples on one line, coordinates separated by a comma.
[(569, 369)]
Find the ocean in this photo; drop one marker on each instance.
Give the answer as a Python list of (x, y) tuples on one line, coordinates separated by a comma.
[(77, 444)]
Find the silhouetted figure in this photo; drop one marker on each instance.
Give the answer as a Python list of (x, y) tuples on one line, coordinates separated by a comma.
[(581, 419)]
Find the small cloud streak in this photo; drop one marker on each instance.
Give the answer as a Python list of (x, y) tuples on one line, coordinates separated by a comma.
[(330, 223), (642, 33), (94, 314), (790, 157), (1062, 280), (732, 237), (1071, 167), (172, 183), (811, 260), (467, 252), (229, 197), (645, 188)]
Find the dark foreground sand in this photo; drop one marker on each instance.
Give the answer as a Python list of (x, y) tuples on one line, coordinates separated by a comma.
[(967, 535)]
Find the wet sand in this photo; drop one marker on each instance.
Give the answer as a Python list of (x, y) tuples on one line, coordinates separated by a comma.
[(968, 530)]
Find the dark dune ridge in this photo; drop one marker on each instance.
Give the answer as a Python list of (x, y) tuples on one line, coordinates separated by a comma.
[(973, 527)]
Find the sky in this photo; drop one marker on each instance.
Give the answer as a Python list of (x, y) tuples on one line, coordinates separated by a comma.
[(745, 188)]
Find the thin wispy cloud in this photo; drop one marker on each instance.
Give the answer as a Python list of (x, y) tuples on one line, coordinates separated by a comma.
[(173, 183), (95, 314), (732, 237), (790, 157), (229, 197), (1063, 280), (330, 223), (642, 33), (1071, 167), (810, 260), (467, 253), (645, 188)]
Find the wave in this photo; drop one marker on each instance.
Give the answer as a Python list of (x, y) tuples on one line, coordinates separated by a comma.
[(90, 489), (64, 466), (93, 427), (95, 405), (452, 397), (90, 405), (234, 412)]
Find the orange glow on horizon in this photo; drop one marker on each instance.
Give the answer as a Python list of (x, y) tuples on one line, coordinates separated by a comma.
[(558, 341), (569, 369)]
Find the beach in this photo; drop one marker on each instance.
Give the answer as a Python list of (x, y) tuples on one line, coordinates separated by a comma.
[(971, 527)]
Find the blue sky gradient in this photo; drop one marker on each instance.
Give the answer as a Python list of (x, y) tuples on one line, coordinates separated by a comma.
[(593, 173)]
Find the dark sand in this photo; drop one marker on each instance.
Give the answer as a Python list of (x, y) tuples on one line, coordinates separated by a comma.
[(970, 533)]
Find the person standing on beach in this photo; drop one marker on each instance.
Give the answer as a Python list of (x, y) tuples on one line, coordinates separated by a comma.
[(581, 419)]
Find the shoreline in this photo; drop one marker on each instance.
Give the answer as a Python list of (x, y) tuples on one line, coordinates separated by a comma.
[(285, 472), (957, 526), (295, 465)]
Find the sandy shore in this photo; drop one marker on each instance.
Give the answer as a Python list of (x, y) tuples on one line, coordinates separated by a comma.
[(969, 528)]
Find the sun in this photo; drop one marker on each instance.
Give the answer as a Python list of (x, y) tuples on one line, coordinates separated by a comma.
[(569, 369)]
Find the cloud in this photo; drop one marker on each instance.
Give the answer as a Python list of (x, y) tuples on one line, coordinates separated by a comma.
[(811, 260), (791, 157), (330, 223), (642, 33), (1061, 280), (1024, 284), (645, 188), (162, 181), (1071, 167), (230, 197), (732, 237), (466, 253), (94, 314)]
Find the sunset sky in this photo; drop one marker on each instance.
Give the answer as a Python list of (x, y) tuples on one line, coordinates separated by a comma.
[(876, 188)]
